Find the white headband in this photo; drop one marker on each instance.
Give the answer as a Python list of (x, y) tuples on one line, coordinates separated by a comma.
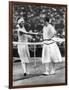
[(20, 20)]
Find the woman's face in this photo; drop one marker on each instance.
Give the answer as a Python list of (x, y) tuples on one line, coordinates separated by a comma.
[(21, 22)]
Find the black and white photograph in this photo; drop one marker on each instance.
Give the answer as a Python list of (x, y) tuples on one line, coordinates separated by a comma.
[(37, 44)]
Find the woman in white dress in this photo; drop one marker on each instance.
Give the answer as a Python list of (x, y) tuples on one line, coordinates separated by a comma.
[(23, 49), (50, 53)]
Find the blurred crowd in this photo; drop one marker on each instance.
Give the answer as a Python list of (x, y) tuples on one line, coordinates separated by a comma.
[(34, 18)]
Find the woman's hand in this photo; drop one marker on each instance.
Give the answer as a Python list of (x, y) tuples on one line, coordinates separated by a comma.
[(39, 33)]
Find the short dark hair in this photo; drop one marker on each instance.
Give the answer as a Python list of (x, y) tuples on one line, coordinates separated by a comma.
[(47, 19), (18, 18)]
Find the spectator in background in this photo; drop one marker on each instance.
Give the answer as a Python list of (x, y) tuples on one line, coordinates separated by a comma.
[(50, 52)]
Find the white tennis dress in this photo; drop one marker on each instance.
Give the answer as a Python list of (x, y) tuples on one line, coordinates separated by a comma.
[(50, 52), (23, 48)]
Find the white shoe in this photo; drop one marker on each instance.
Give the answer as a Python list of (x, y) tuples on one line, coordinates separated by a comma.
[(28, 72), (52, 72), (46, 73)]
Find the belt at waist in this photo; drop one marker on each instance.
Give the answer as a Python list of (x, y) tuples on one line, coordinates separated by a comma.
[(48, 39)]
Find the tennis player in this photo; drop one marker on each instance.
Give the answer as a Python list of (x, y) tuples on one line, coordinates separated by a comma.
[(23, 49), (50, 53)]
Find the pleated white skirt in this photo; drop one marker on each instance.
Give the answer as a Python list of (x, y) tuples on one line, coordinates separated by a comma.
[(51, 53)]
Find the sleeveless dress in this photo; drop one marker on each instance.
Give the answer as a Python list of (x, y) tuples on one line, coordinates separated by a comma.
[(23, 48), (50, 52)]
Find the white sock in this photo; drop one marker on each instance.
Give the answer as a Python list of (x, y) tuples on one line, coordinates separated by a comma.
[(24, 67), (47, 67)]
